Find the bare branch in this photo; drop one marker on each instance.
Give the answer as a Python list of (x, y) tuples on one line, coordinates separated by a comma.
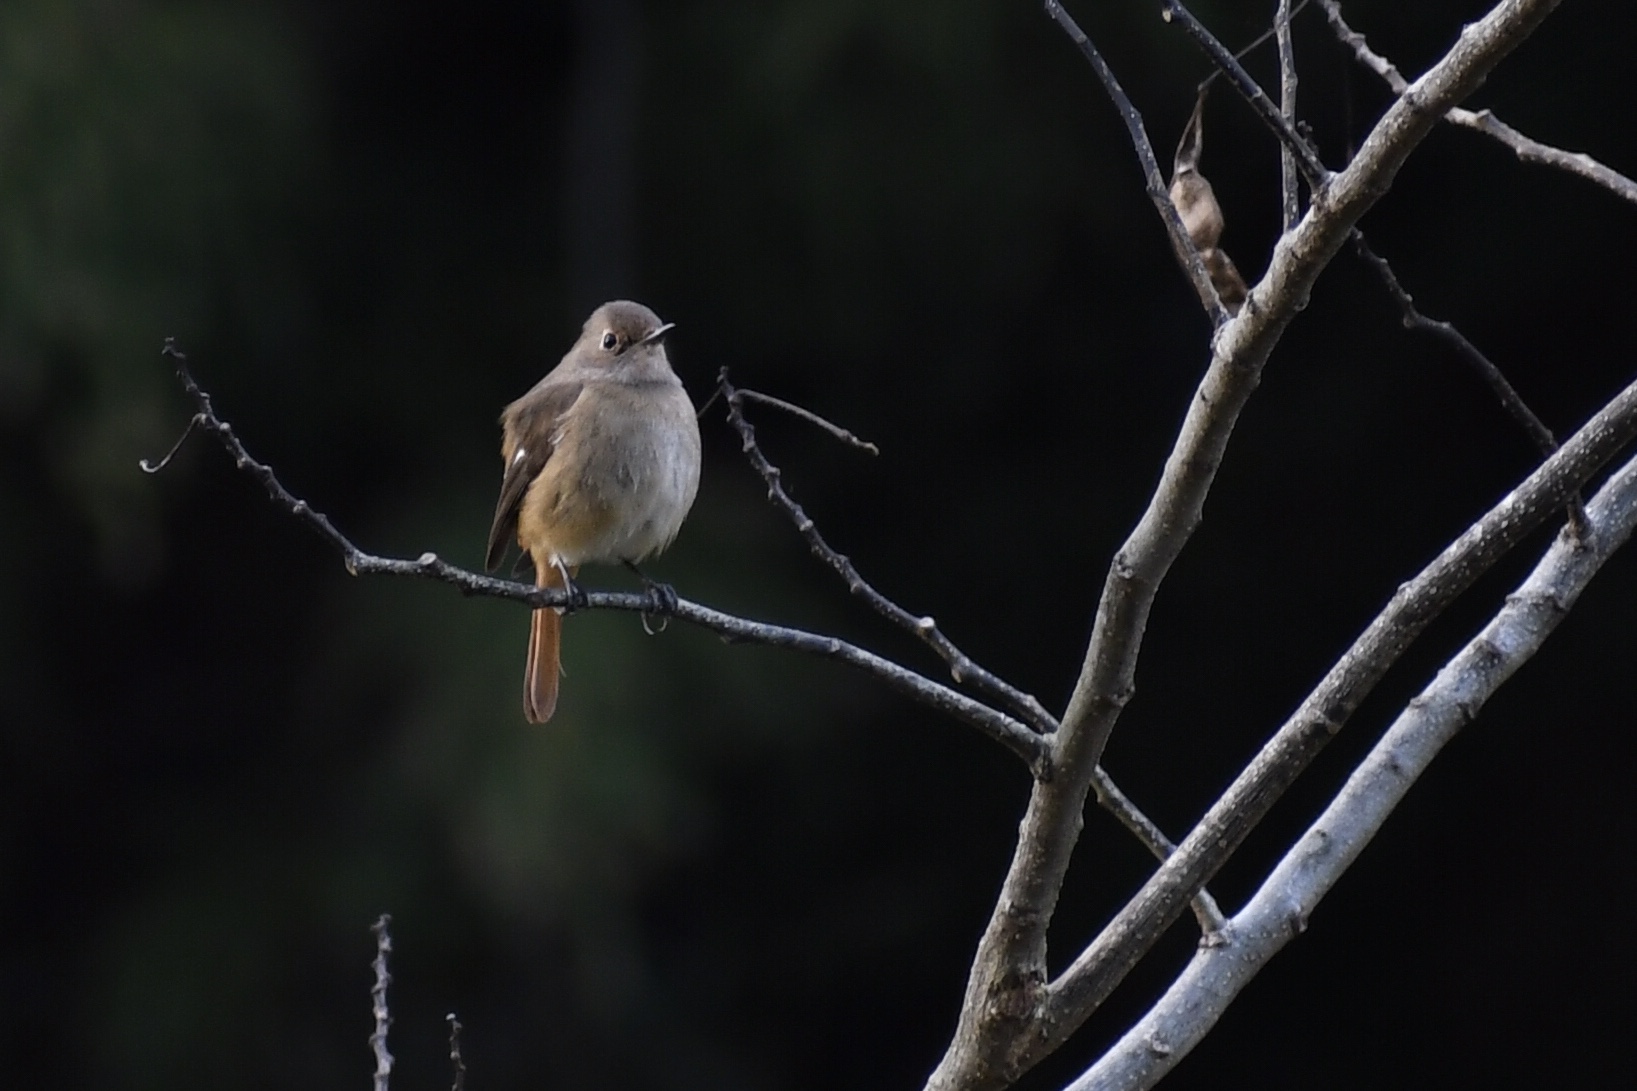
[(149, 467), (1288, 184), (807, 415), (1508, 396), (1281, 906), (1246, 50), (1187, 254), (961, 667), (1009, 1016), (205, 418), (1034, 749), (378, 1002), (1366, 56), (456, 1064), (1533, 151), (1117, 803), (1540, 435), (1528, 150)]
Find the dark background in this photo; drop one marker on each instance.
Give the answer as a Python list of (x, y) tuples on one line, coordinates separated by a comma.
[(371, 225)]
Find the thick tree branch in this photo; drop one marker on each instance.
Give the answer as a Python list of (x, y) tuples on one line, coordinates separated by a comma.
[(1279, 910), (1183, 246), (1525, 148), (1092, 976), (1009, 1017)]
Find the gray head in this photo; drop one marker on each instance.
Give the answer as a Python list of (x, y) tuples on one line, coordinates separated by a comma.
[(616, 329)]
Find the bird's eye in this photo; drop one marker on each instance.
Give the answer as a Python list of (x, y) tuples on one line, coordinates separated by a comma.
[(609, 340)]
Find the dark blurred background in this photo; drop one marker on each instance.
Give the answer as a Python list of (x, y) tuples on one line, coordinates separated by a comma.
[(372, 225)]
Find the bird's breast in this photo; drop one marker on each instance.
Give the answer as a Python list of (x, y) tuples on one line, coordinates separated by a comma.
[(626, 472)]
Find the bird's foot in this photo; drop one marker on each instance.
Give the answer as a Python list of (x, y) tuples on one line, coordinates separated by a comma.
[(577, 598), (662, 602)]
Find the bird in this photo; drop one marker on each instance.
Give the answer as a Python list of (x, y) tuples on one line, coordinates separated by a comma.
[(602, 461)]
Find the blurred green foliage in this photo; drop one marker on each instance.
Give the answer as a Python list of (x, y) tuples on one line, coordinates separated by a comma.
[(143, 150)]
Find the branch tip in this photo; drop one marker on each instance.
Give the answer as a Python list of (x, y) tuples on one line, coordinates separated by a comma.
[(378, 1002), (963, 670), (810, 417), (455, 1062), (154, 467)]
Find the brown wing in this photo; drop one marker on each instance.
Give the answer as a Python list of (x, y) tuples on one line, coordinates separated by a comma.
[(529, 429)]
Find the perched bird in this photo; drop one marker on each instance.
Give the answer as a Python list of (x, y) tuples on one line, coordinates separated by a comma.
[(602, 464)]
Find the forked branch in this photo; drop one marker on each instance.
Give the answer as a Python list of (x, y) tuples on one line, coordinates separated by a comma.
[(1011, 1015), (1524, 147), (961, 666), (1279, 909)]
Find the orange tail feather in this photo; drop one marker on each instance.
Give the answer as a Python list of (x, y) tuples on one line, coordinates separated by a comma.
[(545, 640)]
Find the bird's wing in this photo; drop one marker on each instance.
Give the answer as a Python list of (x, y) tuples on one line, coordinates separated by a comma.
[(532, 426)]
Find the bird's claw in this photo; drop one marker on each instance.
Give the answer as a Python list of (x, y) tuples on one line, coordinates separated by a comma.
[(577, 598), (662, 604)]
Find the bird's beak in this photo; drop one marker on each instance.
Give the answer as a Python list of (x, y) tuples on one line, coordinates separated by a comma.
[(658, 335)]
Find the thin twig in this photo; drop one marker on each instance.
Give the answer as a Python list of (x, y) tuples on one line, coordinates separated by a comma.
[(1540, 435), (1524, 147), (1533, 151), (148, 467), (1023, 740), (455, 1062), (1280, 908), (809, 416), (1247, 50), (961, 667), (1144, 829), (1158, 192), (1317, 174), (1362, 52), (378, 1002), (205, 419), (716, 392), (1289, 185)]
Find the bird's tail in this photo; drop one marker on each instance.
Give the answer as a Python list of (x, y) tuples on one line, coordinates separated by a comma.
[(545, 640)]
